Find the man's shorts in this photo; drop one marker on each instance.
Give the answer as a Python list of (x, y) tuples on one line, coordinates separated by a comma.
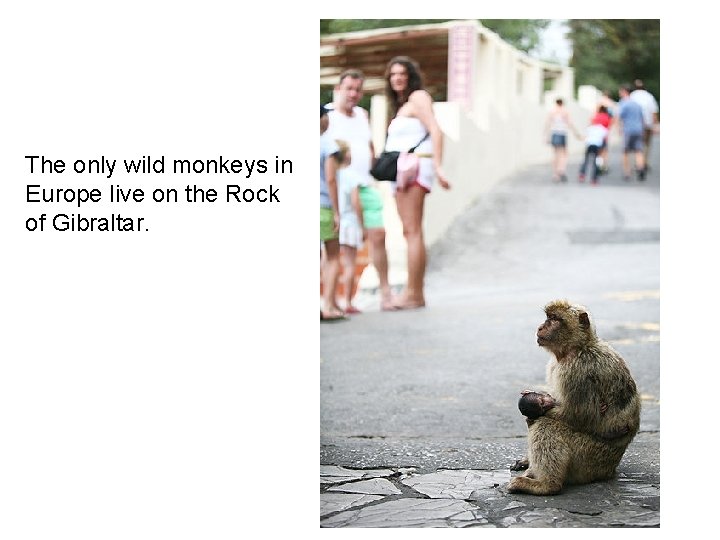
[(558, 140), (372, 205), (634, 142), (327, 224)]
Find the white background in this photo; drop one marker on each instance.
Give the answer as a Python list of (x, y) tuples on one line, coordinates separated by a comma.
[(164, 384)]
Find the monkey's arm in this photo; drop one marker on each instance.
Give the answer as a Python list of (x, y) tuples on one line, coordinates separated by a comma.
[(614, 434)]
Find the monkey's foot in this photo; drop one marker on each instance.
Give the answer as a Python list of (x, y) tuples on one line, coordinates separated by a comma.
[(513, 486), (520, 465), (522, 484)]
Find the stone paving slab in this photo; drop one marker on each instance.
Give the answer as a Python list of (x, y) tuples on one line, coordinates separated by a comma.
[(374, 486), (331, 474), (410, 513), (462, 484), (331, 503)]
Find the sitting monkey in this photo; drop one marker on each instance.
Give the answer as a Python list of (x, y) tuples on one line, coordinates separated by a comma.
[(596, 412)]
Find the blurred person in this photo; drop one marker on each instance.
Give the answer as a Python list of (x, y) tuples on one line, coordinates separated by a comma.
[(350, 123), (606, 101), (603, 118), (630, 115), (352, 233), (650, 114), (329, 223), (595, 139), (411, 118), (556, 131)]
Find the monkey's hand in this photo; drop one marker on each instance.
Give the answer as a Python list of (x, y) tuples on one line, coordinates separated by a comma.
[(603, 408), (520, 465)]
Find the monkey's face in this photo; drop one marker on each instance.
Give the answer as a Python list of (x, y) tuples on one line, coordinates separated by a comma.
[(566, 328), (550, 331)]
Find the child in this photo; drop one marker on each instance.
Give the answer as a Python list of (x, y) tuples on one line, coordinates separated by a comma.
[(604, 118), (352, 230), (594, 140), (329, 222)]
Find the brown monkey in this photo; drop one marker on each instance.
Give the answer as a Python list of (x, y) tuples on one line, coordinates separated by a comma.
[(597, 411)]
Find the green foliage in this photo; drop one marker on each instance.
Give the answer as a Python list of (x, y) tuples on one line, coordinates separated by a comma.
[(521, 33), (608, 53)]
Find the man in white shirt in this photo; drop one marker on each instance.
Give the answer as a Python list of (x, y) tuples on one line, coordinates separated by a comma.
[(350, 123), (650, 113)]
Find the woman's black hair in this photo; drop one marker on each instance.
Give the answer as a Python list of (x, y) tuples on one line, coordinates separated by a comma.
[(415, 82)]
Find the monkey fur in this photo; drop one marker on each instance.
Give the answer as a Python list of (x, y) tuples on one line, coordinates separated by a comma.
[(597, 412)]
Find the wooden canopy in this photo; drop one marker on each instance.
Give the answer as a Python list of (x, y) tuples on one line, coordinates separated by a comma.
[(371, 50)]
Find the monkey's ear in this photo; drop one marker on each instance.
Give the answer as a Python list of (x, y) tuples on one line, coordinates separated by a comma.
[(584, 320)]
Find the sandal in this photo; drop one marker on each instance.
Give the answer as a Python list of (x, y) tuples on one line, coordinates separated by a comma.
[(332, 317)]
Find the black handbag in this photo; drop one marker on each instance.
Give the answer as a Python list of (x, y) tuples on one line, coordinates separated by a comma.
[(385, 167)]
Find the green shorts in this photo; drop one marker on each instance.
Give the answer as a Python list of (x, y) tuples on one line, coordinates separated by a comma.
[(327, 224), (372, 205)]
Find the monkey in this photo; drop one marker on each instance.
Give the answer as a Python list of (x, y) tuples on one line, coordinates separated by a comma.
[(596, 413)]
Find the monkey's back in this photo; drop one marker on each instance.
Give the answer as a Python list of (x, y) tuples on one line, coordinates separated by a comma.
[(596, 375)]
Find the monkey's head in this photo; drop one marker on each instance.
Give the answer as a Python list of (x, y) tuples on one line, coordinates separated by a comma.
[(566, 328), (535, 404)]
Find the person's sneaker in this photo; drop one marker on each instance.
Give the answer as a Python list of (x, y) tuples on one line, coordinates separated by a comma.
[(626, 177), (581, 178), (563, 177), (641, 174)]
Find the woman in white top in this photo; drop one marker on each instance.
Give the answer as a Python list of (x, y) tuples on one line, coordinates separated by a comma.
[(412, 118)]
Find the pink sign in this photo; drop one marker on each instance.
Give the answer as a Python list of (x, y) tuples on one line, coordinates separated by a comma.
[(462, 42)]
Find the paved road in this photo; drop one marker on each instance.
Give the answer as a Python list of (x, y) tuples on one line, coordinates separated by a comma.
[(429, 397)]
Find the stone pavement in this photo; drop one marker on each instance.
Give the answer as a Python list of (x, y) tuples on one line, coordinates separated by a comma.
[(419, 420), (402, 497)]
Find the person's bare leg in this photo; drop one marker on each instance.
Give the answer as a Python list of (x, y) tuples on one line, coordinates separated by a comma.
[(378, 253), (626, 165), (348, 255), (410, 203), (647, 139), (639, 160), (562, 162), (330, 272)]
